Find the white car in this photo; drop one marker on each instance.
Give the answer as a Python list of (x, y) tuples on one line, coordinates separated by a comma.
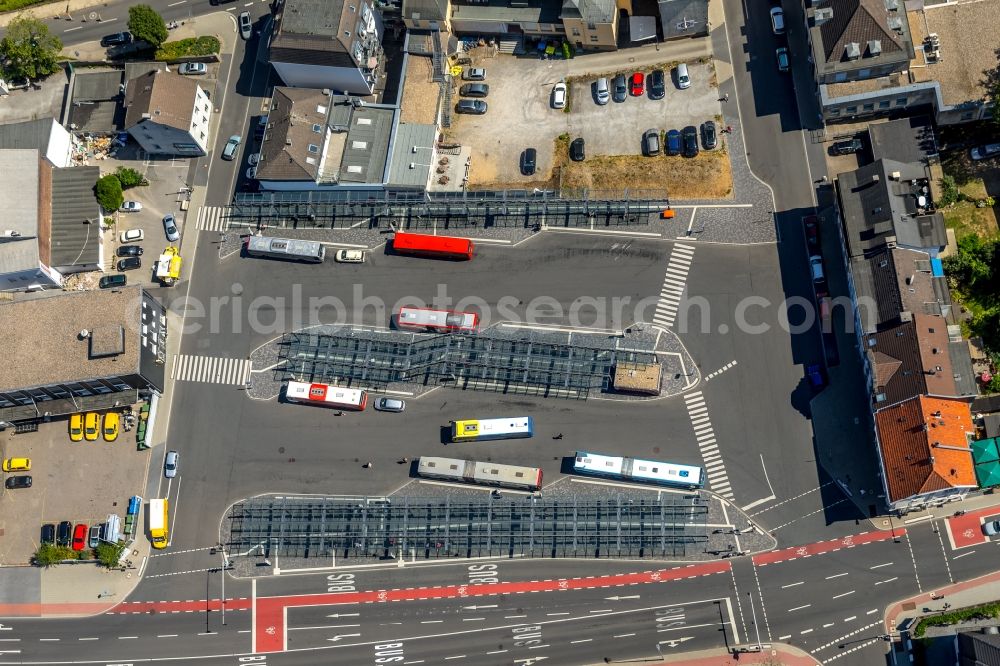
[(246, 25), (131, 236), (778, 20), (816, 267), (170, 464), (252, 173), (985, 152), (349, 256), (131, 207), (559, 96), (253, 159), (991, 527), (193, 68)]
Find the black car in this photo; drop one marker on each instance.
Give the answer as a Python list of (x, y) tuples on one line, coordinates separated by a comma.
[(577, 150), (474, 106), (847, 147), (651, 142), (13, 482), (528, 161), (709, 138), (657, 84), (48, 533), (112, 281), (619, 91), (117, 39), (474, 90), (674, 143), (64, 533), (129, 251), (129, 264), (690, 137)]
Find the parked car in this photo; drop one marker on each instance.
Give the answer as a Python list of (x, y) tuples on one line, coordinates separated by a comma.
[(116, 39), (778, 20), (15, 482), (709, 137), (170, 228), (80, 537), (683, 78), (91, 426), (111, 423), (48, 533), (94, 538), (781, 53), (254, 159), (349, 256), (674, 143), (76, 427), (657, 84), (559, 96), (651, 142), (252, 173), (112, 281), (578, 150), (816, 268), (193, 68), (601, 91), (991, 527), (474, 90), (619, 91), (473, 74), (846, 147), (129, 264), (529, 160), (637, 84), (246, 25), (129, 251), (260, 128), (131, 207), (817, 380), (229, 151), (131, 236), (170, 464), (64, 533), (472, 106), (811, 226), (690, 136), (985, 152), (390, 405), (17, 465)]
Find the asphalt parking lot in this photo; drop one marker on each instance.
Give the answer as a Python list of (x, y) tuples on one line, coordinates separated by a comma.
[(102, 476), (520, 115)]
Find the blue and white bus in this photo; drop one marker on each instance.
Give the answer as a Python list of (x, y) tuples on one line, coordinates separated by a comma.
[(635, 469), (475, 430)]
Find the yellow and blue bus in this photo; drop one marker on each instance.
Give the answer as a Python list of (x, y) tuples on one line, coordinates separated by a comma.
[(475, 430)]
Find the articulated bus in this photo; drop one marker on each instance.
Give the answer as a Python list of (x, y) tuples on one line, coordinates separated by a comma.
[(326, 395), (433, 247), (285, 248), (437, 320), (633, 469), (482, 473), (476, 430)]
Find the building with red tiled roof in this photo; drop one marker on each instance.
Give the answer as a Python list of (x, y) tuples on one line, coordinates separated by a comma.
[(924, 452)]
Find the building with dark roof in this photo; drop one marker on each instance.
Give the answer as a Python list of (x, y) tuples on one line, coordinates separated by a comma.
[(894, 280), (683, 18), (168, 114), (45, 135), (979, 648), (82, 351), (909, 140), (94, 102), (858, 39), (329, 44)]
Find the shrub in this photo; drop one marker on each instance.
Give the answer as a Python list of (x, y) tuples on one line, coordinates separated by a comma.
[(108, 191), (49, 554), (985, 611), (186, 48), (129, 177), (108, 554), (949, 191)]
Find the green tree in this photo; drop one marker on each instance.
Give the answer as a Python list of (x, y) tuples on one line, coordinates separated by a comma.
[(29, 49), (108, 554), (972, 266), (145, 24), (129, 177), (108, 191)]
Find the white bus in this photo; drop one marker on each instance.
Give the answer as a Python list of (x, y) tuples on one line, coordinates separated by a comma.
[(326, 395), (437, 320), (635, 469), (474, 430), (285, 248)]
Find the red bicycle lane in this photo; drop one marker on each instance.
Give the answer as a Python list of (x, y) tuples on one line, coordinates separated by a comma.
[(967, 529), (821, 547), (269, 631)]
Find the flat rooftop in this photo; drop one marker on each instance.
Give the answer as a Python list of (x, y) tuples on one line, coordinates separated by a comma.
[(420, 93), (41, 337)]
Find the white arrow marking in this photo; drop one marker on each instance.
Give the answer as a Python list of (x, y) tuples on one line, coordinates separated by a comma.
[(634, 596), (338, 637), (343, 615), (478, 607), (676, 641)]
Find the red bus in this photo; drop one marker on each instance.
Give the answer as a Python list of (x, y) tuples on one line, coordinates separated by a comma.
[(434, 247), (326, 395), (437, 320)]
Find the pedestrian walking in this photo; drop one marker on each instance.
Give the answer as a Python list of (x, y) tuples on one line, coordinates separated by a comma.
[(404, 460), (724, 98), (338, 413), (559, 436), (369, 465)]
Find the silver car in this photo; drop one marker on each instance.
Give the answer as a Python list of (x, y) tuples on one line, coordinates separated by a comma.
[(601, 91), (390, 405), (246, 25), (170, 228), (170, 464), (193, 68), (991, 528)]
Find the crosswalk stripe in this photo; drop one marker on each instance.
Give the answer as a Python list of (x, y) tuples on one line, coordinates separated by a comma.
[(211, 369), (211, 218)]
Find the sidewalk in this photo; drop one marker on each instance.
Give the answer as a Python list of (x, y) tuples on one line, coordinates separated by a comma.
[(960, 595), (778, 655)]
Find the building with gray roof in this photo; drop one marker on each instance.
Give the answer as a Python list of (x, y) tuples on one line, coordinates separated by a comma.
[(94, 103), (411, 165), (81, 351), (45, 135), (683, 18)]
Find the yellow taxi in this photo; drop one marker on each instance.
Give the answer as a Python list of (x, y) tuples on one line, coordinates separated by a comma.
[(91, 426), (111, 421), (76, 427), (17, 465)]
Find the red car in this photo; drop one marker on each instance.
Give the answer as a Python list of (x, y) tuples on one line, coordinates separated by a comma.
[(80, 537), (638, 84), (811, 224)]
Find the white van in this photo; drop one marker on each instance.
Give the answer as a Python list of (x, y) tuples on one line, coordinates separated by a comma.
[(683, 79)]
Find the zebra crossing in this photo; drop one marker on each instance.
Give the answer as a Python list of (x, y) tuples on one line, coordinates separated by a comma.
[(211, 218), (673, 285), (715, 469), (210, 369)]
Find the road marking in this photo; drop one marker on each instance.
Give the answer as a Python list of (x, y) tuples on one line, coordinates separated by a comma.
[(781, 638), (622, 635), (211, 218), (127, 638), (167, 636), (799, 608), (836, 575), (801, 582), (718, 479), (210, 369), (582, 640), (970, 552), (828, 624), (440, 621), (457, 656), (718, 372), (807, 631), (848, 619), (179, 2), (877, 566), (874, 610), (678, 265), (508, 617), (555, 614), (79, 27), (88, 639), (843, 595), (888, 580), (914, 560), (474, 619), (496, 652), (328, 626)]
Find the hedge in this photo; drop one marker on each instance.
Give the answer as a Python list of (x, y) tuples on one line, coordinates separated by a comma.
[(986, 611), (186, 48), (11, 5)]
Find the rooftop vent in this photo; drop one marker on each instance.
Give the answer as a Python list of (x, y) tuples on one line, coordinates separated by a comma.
[(892, 5), (823, 15), (874, 47), (896, 24), (852, 51), (895, 175)]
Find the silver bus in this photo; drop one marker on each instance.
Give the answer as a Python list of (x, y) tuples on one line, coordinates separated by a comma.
[(285, 248)]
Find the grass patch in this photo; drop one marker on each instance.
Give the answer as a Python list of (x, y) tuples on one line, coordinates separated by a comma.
[(707, 176), (187, 48), (965, 218)]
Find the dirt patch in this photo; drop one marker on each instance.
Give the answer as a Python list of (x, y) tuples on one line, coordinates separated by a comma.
[(707, 176), (420, 93)]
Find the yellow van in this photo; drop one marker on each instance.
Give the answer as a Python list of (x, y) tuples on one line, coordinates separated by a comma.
[(92, 426), (111, 421), (76, 427)]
